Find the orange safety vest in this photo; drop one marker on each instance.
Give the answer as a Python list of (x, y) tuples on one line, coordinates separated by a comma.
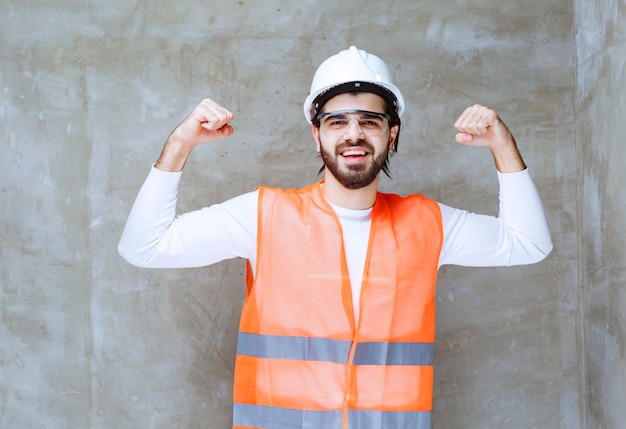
[(303, 361)]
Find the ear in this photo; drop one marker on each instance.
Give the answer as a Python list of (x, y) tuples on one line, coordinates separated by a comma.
[(393, 133), (316, 135)]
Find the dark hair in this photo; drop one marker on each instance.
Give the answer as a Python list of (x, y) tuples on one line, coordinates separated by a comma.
[(394, 119)]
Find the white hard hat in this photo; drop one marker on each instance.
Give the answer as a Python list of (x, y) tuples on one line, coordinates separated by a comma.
[(351, 70)]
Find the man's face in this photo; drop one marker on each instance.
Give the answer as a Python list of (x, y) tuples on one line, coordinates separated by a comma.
[(354, 145)]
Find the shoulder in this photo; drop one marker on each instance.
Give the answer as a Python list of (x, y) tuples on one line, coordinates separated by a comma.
[(287, 191), (413, 211), (268, 194), (395, 200)]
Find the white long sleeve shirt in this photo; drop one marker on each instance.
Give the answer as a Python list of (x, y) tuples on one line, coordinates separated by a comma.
[(156, 237)]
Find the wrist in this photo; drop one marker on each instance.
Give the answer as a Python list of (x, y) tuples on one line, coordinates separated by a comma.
[(174, 155), (507, 158)]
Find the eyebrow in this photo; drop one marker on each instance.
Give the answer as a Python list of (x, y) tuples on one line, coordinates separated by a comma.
[(365, 113)]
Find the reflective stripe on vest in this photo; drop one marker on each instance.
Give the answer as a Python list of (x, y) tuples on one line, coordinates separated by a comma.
[(257, 416), (303, 361), (337, 351)]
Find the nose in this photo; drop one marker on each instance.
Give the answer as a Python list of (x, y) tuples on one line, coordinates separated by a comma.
[(353, 131)]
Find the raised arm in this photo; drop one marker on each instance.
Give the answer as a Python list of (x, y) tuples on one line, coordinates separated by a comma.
[(155, 237), (519, 234)]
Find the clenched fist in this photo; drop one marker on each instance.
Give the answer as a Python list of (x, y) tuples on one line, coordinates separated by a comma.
[(207, 123), (480, 126)]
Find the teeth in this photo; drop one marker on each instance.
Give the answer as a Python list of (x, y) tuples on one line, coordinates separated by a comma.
[(354, 153)]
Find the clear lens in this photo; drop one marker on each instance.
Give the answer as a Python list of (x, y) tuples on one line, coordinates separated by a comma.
[(370, 122)]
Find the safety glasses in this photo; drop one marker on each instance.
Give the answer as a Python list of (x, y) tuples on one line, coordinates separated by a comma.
[(340, 121)]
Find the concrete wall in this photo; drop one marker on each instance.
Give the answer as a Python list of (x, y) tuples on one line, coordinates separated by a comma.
[(89, 91), (600, 125)]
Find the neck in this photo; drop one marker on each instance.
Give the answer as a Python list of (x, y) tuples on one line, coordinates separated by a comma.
[(357, 199)]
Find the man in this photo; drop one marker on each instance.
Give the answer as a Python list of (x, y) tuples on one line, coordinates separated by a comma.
[(338, 325)]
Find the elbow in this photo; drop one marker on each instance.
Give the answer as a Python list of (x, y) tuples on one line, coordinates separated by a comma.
[(537, 251), (126, 253), (130, 255), (547, 249), (544, 245), (544, 251)]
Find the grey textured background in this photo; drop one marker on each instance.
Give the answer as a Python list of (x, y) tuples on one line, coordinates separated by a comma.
[(89, 90)]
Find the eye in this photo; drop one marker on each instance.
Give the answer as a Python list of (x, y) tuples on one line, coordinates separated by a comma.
[(371, 122), (336, 121)]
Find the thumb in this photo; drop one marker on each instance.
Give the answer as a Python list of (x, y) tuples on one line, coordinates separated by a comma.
[(210, 134), (226, 130), (464, 138)]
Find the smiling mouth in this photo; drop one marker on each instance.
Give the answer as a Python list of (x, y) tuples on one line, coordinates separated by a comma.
[(353, 152)]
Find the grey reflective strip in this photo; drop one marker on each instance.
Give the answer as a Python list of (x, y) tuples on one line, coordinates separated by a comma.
[(294, 348), (394, 354), (361, 419), (337, 351), (257, 416)]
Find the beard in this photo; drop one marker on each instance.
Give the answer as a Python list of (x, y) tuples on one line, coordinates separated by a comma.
[(354, 176)]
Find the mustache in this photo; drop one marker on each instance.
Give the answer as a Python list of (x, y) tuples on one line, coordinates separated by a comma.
[(358, 143)]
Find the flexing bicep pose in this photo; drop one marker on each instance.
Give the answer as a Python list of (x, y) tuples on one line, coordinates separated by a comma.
[(338, 327)]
